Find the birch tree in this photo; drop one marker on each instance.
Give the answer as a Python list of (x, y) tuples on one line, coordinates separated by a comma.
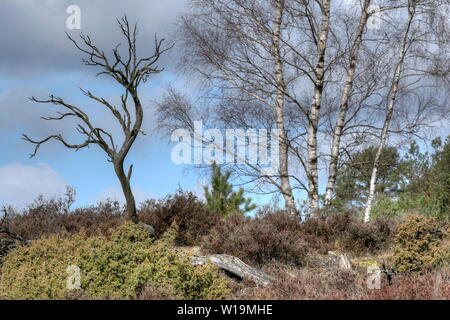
[(417, 45), (286, 188), (305, 67), (314, 113), (344, 102), (237, 46)]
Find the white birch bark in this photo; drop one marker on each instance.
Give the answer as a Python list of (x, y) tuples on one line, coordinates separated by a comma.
[(343, 106), (314, 114), (286, 188), (389, 111)]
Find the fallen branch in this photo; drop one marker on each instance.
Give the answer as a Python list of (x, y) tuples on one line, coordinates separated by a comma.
[(12, 235), (235, 266)]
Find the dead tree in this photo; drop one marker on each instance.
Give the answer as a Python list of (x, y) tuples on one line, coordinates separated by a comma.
[(129, 71), (11, 240)]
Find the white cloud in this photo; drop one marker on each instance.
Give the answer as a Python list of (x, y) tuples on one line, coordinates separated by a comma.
[(21, 184), (37, 43)]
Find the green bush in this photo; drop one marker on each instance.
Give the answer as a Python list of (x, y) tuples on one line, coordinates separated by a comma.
[(386, 207), (408, 202), (119, 267), (420, 242)]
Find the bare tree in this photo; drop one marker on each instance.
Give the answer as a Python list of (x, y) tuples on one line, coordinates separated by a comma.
[(238, 46), (416, 61), (314, 113), (305, 67), (286, 188), (129, 72), (344, 102), (258, 54)]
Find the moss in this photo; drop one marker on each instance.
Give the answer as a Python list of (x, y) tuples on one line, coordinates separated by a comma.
[(365, 263), (119, 267)]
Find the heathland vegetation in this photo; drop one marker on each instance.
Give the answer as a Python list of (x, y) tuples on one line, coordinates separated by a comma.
[(351, 97)]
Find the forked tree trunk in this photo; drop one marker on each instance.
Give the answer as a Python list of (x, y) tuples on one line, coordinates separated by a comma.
[(127, 192), (343, 106), (389, 112), (125, 179), (314, 115)]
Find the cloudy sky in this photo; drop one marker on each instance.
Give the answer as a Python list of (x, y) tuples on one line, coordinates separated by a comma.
[(36, 59)]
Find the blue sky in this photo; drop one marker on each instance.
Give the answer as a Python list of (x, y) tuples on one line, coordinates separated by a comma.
[(38, 60)]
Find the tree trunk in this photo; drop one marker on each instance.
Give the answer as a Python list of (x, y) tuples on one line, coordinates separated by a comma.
[(286, 188), (343, 108), (120, 158), (314, 115), (126, 188), (389, 112)]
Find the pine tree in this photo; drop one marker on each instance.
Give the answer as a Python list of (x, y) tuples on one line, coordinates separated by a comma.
[(222, 198)]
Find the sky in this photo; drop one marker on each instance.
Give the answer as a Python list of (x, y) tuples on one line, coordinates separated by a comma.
[(37, 59)]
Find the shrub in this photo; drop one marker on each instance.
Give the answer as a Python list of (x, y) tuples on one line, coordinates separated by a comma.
[(386, 206), (119, 267), (185, 210), (421, 242), (305, 283), (300, 284), (45, 217), (275, 236), (345, 231), (427, 286), (152, 292)]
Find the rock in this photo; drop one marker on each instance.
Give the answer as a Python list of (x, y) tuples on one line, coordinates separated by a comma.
[(344, 263), (148, 228), (234, 266), (340, 260)]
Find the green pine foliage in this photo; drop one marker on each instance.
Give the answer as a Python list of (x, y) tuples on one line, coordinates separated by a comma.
[(353, 181), (222, 198), (408, 182), (426, 187)]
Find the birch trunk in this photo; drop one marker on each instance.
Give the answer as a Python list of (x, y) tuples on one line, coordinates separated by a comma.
[(389, 112), (343, 106), (286, 188), (314, 115)]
